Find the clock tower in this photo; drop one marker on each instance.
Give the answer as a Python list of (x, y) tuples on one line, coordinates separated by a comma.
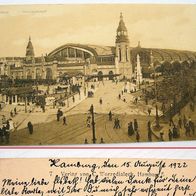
[(123, 59)]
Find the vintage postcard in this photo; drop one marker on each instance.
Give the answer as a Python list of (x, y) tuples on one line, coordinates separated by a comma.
[(86, 74)]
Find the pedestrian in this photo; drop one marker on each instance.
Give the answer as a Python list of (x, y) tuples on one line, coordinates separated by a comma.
[(85, 141), (64, 120), (73, 98), (137, 136), (180, 122), (187, 129), (100, 101), (7, 133), (149, 131), (184, 121), (192, 126), (30, 127), (11, 114), (170, 135), (102, 141), (118, 124), (135, 124), (110, 116), (88, 121), (175, 132), (3, 132), (149, 111), (1, 135), (136, 100), (11, 125), (15, 112), (58, 116), (115, 123), (161, 135), (130, 129), (119, 96)]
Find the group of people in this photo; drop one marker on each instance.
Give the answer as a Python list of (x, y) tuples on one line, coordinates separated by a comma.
[(5, 129), (12, 114), (133, 129), (186, 124), (59, 115)]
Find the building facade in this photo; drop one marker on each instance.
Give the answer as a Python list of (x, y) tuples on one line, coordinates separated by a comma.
[(90, 61)]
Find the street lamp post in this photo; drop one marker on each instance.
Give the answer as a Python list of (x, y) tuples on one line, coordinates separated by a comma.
[(156, 97), (25, 103), (93, 123)]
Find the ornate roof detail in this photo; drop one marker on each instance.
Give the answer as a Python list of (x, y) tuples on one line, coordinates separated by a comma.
[(122, 34), (121, 26), (29, 49)]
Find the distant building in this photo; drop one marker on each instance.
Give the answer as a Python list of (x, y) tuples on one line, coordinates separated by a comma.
[(91, 61)]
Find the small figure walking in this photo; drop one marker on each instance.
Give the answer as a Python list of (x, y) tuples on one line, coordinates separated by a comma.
[(130, 129), (110, 116), (161, 135), (64, 120), (149, 132), (170, 135), (102, 141), (88, 121), (149, 111), (180, 122), (100, 101), (137, 136), (118, 123), (30, 127), (15, 112), (85, 141), (7, 133), (188, 130), (59, 114), (11, 114), (135, 125)]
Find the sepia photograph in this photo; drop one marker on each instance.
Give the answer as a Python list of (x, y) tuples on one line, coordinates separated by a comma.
[(97, 73)]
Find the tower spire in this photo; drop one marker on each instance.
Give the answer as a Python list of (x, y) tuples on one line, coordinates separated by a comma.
[(122, 34), (121, 16), (30, 51), (139, 44)]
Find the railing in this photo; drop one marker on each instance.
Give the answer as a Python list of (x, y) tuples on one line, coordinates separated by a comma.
[(172, 111)]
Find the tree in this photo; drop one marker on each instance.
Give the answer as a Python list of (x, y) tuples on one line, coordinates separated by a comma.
[(167, 67), (176, 66)]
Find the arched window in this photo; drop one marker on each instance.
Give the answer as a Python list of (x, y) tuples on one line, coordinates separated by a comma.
[(48, 73), (38, 74), (29, 75)]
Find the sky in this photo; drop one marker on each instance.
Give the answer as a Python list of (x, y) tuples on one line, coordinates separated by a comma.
[(50, 26)]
